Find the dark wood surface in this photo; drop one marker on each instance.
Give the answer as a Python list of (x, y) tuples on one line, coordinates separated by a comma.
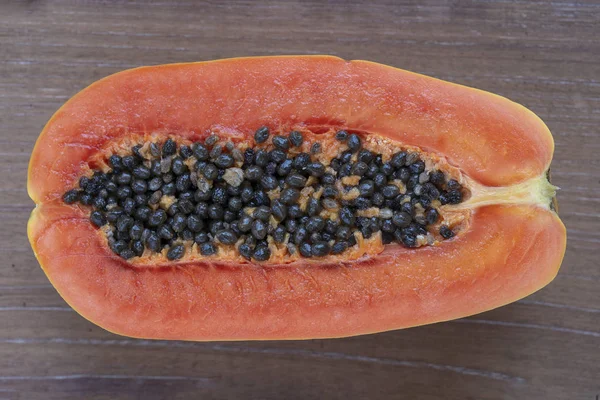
[(545, 55)]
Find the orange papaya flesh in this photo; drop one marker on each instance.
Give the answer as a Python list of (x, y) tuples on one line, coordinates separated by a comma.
[(509, 242)]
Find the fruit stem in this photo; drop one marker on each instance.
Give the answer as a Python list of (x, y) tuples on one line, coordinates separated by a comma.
[(538, 191)]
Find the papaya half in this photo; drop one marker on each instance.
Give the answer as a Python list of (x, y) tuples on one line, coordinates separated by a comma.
[(290, 198)]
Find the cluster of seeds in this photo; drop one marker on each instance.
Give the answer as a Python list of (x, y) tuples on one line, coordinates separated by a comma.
[(254, 199)]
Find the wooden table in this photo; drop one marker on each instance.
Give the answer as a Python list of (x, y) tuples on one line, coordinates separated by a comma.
[(541, 54)]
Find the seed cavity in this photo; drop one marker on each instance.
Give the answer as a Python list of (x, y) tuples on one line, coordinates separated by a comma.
[(281, 194)]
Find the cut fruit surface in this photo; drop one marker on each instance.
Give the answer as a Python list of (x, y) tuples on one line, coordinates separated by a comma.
[(421, 200)]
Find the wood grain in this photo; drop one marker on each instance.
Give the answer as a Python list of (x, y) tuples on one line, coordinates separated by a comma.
[(545, 55)]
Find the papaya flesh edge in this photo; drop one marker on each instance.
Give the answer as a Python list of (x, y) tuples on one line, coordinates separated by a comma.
[(513, 246)]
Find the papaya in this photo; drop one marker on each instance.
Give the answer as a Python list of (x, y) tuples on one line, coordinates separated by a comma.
[(290, 197)]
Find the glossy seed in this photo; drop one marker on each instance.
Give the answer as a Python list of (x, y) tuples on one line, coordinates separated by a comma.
[(329, 204), (401, 219), (208, 249), (263, 213), (87, 199), (142, 172), (285, 168), (224, 161), (342, 136), (137, 247), (155, 184), (201, 152), (165, 232), (124, 178), (306, 250), (339, 247), (176, 252), (211, 140), (321, 249), (300, 235), (136, 230), (279, 234), (253, 173), (71, 196), (245, 251), (345, 170), (296, 180), (210, 172), (261, 158), (431, 215), (226, 236), (261, 135), (269, 182), (276, 156), (183, 182), (154, 150), (437, 178), (390, 191), (153, 242), (281, 142), (99, 203), (327, 179), (245, 223), (194, 223), (301, 161), (366, 156), (411, 158), (261, 253), (289, 196), (294, 211), (177, 166), (417, 167), (296, 138), (216, 151), (366, 188), (185, 152), (409, 240), (201, 237), (247, 193), (398, 159), (215, 211), (279, 210), (313, 207), (260, 198), (347, 216), (98, 218), (359, 168), (315, 169), (315, 148), (315, 224), (129, 162), (354, 142), (139, 186), (446, 232), (168, 189), (115, 162), (454, 197), (157, 218), (127, 254), (235, 204), (169, 147), (259, 229)]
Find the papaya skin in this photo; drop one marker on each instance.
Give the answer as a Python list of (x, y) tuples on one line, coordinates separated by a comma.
[(509, 249)]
